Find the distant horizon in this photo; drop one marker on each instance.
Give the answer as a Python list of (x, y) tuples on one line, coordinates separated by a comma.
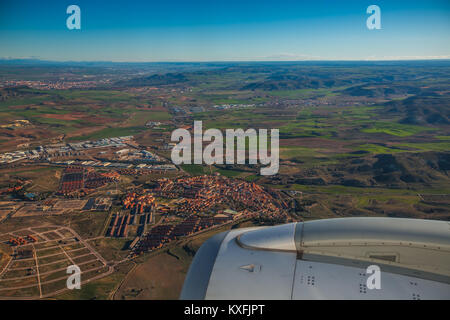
[(10, 59)]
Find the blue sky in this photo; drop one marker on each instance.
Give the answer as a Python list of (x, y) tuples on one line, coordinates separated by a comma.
[(225, 30)]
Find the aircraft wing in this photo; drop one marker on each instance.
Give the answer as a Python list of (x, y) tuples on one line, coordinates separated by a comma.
[(325, 259)]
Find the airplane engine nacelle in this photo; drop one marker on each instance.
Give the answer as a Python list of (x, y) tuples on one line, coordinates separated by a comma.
[(344, 258)]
